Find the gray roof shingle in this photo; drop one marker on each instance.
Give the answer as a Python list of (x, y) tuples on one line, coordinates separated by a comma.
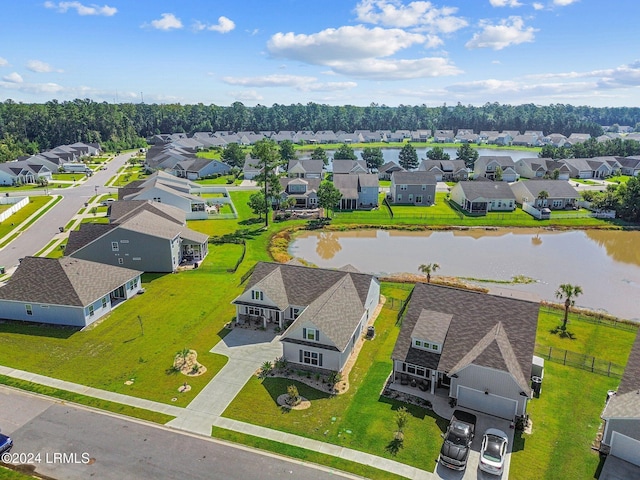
[(626, 402)]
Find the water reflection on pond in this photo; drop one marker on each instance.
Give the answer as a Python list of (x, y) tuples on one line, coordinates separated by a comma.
[(606, 264)]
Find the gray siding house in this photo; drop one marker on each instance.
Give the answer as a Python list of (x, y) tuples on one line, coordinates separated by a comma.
[(145, 241), (560, 193), (484, 196), (303, 190), (471, 346), (65, 291), (323, 312), (487, 166), (621, 436), (413, 188), (359, 190)]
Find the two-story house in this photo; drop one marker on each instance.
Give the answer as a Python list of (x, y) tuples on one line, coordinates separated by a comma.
[(323, 312), (413, 188), (359, 190), (471, 346), (303, 190), (488, 165)]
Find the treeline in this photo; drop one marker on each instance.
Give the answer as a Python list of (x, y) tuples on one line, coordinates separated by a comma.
[(592, 148), (29, 128)]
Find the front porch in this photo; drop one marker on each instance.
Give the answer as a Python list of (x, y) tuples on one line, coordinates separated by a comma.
[(437, 401)]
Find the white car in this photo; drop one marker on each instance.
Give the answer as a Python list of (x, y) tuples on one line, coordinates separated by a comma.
[(493, 451)]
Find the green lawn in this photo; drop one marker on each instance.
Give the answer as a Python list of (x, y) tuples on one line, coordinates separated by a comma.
[(221, 180), (184, 310), (35, 203), (360, 419), (619, 179)]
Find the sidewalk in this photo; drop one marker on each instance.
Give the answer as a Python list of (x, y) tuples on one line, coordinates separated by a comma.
[(198, 422)]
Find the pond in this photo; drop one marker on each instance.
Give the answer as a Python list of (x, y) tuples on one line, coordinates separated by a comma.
[(392, 154), (606, 264)]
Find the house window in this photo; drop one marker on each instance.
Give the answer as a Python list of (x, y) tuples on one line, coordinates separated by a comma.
[(91, 310), (254, 311), (418, 198), (295, 312), (311, 358), (411, 197), (29, 309), (411, 369), (257, 295), (311, 334), (104, 302), (557, 203), (157, 199), (399, 197), (403, 187), (120, 261), (424, 187), (434, 347), (115, 247), (418, 343)]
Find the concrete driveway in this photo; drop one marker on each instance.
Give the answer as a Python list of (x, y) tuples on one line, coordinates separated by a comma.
[(472, 472)]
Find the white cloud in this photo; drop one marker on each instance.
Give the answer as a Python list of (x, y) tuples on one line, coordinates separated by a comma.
[(39, 66), (564, 3), (622, 76), (167, 21), (3, 62), (224, 25), (537, 6), (81, 9), (397, 69), (505, 3), (301, 83), (510, 31), (13, 77), (425, 15), (341, 44), (247, 96)]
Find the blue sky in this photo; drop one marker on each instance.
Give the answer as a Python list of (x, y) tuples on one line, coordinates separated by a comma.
[(358, 52)]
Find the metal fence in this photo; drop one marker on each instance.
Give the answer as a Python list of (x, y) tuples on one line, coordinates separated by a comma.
[(579, 360), (395, 303)]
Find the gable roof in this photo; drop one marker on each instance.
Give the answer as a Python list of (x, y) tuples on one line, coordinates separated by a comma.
[(413, 178), (87, 233), (347, 166), (555, 188), (489, 190), (64, 281), (485, 330), (626, 402)]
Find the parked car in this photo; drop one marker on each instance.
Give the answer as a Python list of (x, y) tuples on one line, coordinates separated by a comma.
[(5, 443), (493, 451), (108, 201), (457, 440)]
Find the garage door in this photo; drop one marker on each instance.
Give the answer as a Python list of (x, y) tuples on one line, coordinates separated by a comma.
[(625, 448), (487, 403)]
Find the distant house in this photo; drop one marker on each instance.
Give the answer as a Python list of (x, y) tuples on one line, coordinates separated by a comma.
[(578, 138), (445, 170), (23, 172), (385, 171), (346, 167), (598, 167), (305, 169), (536, 167), (251, 168), (164, 188), (630, 166), (560, 193), (471, 346), (621, 415), (303, 190), (144, 240), (443, 136), (196, 168), (413, 188), (526, 140), (323, 312), (358, 190), (65, 291), (487, 166), (481, 197)]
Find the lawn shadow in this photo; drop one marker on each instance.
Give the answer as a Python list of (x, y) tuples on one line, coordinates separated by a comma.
[(603, 458), (414, 410), (278, 386), (37, 329), (150, 277), (518, 441), (562, 333), (251, 221)]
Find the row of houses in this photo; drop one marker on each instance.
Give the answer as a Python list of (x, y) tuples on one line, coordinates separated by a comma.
[(31, 168), (181, 161), (529, 138)]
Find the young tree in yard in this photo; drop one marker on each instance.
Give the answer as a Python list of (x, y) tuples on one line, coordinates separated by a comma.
[(401, 418), (328, 196), (569, 293), (233, 155), (373, 157), (542, 196), (408, 157), (437, 153), (287, 151), (498, 174), (257, 204), (428, 269), (345, 152), (467, 154), (265, 153), (320, 154)]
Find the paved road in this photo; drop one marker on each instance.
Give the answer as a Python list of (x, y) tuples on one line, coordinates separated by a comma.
[(36, 237), (109, 447)]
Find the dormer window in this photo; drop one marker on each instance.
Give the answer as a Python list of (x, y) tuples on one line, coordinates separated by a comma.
[(257, 295), (426, 345)]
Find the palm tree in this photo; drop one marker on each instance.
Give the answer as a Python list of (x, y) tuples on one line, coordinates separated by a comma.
[(542, 196), (428, 269), (569, 293)]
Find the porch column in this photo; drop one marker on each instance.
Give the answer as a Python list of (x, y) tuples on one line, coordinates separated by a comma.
[(434, 379)]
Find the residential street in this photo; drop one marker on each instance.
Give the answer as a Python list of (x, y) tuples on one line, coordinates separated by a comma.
[(110, 447), (40, 233)]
